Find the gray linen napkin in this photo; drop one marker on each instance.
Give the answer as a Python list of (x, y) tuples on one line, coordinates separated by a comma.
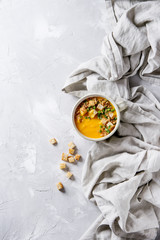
[(122, 175)]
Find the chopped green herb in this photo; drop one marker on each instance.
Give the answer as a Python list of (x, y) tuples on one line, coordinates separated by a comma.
[(89, 118), (115, 118), (94, 107), (100, 126), (85, 117), (100, 131), (80, 116), (87, 109), (107, 130), (109, 126), (112, 110), (106, 116), (99, 112)]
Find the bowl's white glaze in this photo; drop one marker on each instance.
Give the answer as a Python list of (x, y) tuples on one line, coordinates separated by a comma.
[(89, 96)]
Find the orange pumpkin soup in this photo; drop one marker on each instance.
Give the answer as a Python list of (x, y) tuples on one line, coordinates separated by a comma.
[(95, 117)]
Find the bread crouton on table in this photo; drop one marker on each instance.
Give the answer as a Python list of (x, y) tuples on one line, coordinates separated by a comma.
[(62, 166), (69, 175), (71, 145), (65, 157), (59, 186), (53, 141), (71, 151), (77, 157), (71, 159)]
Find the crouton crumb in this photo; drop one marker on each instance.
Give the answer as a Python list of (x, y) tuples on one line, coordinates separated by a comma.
[(71, 151), (62, 166), (59, 186), (69, 175), (53, 141), (65, 157), (71, 145), (77, 157), (71, 159)]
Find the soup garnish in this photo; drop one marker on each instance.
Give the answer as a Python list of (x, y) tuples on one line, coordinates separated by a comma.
[(95, 117)]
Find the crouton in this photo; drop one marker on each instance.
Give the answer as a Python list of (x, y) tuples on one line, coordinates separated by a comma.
[(71, 159), (100, 106), (53, 141), (92, 113), (59, 186), (110, 126), (77, 157), (91, 103), (79, 118), (69, 175), (71, 145), (112, 115), (62, 166), (65, 157), (104, 121), (83, 111), (71, 151)]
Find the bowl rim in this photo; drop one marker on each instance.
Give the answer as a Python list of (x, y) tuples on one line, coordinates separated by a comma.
[(95, 95)]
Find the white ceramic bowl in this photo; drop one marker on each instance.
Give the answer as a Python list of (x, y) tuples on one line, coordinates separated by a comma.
[(95, 95)]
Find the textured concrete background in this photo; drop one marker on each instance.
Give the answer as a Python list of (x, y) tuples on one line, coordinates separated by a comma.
[(41, 42)]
